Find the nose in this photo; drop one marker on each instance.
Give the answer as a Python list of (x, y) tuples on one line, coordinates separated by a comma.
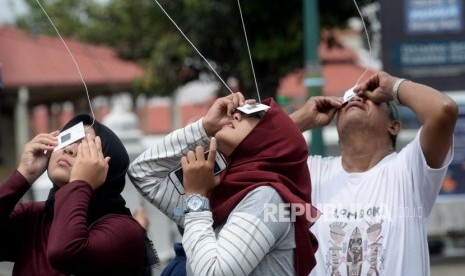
[(71, 149), (358, 98), (237, 116)]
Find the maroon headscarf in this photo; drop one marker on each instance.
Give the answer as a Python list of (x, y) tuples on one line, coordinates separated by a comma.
[(273, 154)]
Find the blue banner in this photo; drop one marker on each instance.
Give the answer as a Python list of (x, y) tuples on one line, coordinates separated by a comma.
[(424, 40), (454, 183)]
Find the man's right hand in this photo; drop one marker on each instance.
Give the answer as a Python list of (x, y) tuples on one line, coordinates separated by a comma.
[(221, 112), (36, 153), (316, 112)]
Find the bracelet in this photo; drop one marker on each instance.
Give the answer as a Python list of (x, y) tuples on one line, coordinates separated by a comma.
[(395, 90)]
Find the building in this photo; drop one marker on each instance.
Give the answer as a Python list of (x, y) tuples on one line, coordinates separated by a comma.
[(39, 71)]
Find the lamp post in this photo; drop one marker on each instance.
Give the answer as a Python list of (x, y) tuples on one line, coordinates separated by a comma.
[(313, 79)]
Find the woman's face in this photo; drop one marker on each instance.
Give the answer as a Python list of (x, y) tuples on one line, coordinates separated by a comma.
[(233, 132), (61, 161)]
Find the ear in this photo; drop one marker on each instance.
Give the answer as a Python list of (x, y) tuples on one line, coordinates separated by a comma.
[(394, 127)]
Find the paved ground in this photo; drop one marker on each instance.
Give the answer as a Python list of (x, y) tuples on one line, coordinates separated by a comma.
[(449, 268), (441, 267)]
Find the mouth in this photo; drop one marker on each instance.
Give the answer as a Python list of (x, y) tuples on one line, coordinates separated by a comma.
[(355, 104), (63, 162)]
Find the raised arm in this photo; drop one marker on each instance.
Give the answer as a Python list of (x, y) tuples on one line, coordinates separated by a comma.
[(436, 111), (14, 224), (112, 244), (316, 112), (149, 172)]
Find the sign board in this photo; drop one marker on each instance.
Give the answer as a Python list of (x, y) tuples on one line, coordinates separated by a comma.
[(454, 183), (424, 40)]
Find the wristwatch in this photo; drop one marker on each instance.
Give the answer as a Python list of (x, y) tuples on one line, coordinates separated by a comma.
[(196, 203)]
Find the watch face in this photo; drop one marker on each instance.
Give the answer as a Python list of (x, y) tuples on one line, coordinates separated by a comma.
[(195, 203)]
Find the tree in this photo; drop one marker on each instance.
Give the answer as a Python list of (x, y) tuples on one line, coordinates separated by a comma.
[(139, 31), (69, 16)]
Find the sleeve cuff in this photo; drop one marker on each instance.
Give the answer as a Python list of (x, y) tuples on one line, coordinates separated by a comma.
[(203, 134)]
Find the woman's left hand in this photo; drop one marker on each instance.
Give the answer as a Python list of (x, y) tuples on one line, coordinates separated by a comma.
[(90, 166), (198, 173)]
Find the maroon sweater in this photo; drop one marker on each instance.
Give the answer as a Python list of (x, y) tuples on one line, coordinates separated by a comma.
[(113, 245)]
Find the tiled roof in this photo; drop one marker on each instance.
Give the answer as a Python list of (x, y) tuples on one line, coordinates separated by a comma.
[(339, 71), (39, 61)]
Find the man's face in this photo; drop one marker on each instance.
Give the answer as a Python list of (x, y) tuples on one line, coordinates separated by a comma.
[(234, 131), (363, 113), (61, 161)]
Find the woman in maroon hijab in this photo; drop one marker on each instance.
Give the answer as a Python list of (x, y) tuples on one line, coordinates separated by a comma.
[(239, 224), (84, 227)]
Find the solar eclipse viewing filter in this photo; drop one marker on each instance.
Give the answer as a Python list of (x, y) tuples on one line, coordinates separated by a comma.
[(252, 108), (348, 95), (70, 136)]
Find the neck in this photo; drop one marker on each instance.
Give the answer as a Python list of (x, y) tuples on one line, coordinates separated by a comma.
[(360, 153)]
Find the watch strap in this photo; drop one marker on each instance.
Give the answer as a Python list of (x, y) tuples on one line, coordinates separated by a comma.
[(204, 207)]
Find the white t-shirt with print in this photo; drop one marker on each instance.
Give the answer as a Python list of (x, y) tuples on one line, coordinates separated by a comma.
[(375, 222)]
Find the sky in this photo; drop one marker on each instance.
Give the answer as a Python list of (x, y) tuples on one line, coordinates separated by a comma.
[(9, 9)]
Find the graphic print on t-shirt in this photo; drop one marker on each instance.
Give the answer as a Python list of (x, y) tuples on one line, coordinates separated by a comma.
[(351, 250)]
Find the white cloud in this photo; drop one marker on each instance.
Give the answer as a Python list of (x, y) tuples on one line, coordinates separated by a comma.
[(10, 9)]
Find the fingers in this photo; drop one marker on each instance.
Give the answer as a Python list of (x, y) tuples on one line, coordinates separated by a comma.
[(238, 99), (90, 166), (188, 159), (192, 157), (250, 101), (184, 162), (363, 94), (106, 162), (36, 147), (91, 148), (199, 153), (198, 172), (230, 108), (368, 85), (328, 103), (98, 146), (335, 102), (44, 143), (83, 149), (212, 151), (360, 87), (35, 154), (233, 101), (46, 139), (221, 112), (54, 133)]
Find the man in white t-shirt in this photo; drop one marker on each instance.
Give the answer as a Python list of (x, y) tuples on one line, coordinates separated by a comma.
[(375, 203)]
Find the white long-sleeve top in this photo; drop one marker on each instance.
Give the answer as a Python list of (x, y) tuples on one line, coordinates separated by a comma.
[(253, 241)]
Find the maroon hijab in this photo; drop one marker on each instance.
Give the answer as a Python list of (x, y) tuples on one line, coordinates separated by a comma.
[(273, 154)]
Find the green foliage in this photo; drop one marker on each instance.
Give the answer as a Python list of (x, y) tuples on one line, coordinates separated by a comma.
[(139, 31), (69, 16), (334, 13)]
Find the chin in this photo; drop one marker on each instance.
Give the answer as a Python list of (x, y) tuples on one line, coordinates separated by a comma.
[(222, 145), (59, 178)]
